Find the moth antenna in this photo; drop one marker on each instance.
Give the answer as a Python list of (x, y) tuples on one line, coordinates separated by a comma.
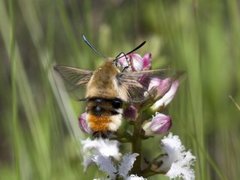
[(92, 47), (136, 48)]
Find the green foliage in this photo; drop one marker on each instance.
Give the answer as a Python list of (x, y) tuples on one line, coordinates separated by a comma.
[(39, 132)]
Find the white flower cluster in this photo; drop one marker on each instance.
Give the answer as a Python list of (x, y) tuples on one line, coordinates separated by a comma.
[(177, 162)]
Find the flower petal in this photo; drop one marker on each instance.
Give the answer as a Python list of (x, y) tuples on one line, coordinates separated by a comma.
[(106, 165), (137, 62), (83, 123), (158, 87), (147, 58), (123, 60), (126, 164)]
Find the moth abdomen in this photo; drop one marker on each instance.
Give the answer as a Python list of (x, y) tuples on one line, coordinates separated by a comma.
[(104, 114)]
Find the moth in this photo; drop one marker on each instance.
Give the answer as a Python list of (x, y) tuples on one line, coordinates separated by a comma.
[(108, 88)]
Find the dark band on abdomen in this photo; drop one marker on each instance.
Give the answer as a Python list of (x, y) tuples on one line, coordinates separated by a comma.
[(103, 106)]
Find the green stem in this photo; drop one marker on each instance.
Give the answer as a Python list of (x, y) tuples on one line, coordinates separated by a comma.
[(124, 138)]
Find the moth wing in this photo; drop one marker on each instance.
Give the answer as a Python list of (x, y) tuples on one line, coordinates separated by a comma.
[(74, 76), (74, 79), (137, 82)]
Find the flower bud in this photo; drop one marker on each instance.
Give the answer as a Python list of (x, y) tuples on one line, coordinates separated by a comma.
[(130, 112), (82, 120), (159, 124), (167, 98)]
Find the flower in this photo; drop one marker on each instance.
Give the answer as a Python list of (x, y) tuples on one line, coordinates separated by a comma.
[(135, 62), (83, 123), (103, 147), (159, 124), (158, 87), (167, 98), (177, 162)]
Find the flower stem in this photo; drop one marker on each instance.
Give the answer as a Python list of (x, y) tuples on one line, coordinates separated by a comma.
[(137, 145)]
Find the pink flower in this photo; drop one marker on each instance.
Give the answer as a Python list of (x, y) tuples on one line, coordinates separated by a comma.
[(167, 98), (83, 123), (135, 62), (159, 124)]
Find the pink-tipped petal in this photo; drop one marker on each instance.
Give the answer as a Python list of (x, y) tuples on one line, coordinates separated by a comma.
[(136, 62), (159, 86), (167, 98), (147, 58), (122, 61)]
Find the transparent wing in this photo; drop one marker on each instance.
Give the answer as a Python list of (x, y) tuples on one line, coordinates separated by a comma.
[(137, 82), (74, 76), (74, 79), (152, 73), (135, 89)]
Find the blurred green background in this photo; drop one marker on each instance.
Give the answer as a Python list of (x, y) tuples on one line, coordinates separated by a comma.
[(39, 135)]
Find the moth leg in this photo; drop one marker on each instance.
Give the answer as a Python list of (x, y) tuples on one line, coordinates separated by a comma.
[(127, 59), (125, 68)]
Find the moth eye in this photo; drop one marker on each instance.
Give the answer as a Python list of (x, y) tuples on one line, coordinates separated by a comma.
[(97, 109), (116, 103)]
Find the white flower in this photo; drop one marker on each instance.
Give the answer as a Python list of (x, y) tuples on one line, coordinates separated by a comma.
[(102, 152), (104, 147), (177, 162)]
